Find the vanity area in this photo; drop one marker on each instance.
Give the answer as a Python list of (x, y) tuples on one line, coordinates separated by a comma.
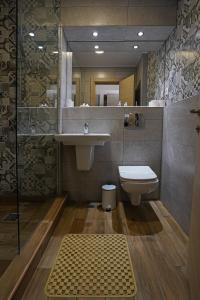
[(105, 120), (84, 145), (125, 146), (98, 118)]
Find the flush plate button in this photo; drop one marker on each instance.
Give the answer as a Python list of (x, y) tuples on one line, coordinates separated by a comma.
[(198, 129), (195, 111)]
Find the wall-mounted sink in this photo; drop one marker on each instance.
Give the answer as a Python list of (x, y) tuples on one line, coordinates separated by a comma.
[(84, 144), (92, 139)]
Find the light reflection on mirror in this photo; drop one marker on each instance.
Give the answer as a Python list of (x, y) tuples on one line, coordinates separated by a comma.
[(117, 76)]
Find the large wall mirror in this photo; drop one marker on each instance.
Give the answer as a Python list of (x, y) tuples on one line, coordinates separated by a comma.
[(109, 64)]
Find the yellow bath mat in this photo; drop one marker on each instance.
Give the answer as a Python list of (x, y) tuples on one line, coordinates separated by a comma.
[(92, 265)]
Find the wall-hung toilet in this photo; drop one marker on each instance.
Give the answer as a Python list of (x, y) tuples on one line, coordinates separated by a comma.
[(137, 180)]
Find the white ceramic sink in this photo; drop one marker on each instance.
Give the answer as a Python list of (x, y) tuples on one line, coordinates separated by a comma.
[(84, 144), (81, 139)]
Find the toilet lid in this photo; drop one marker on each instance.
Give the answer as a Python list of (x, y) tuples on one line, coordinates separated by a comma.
[(136, 173)]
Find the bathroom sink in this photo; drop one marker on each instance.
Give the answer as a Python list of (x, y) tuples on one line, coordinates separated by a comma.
[(81, 139), (84, 144)]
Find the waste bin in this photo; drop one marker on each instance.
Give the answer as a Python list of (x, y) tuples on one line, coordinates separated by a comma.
[(108, 197)]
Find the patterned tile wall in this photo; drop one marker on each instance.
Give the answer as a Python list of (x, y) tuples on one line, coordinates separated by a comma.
[(37, 98), (37, 165), (37, 95), (7, 96), (174, 71), (37, 120), (155, 76), (39, 66)]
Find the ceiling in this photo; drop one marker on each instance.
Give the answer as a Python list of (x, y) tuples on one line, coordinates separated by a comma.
[(117, 43)]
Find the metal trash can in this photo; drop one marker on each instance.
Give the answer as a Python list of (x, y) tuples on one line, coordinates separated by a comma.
[(108, 197)]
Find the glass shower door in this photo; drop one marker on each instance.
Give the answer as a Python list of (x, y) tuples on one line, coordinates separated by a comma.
[(37, 111), (8, 188)]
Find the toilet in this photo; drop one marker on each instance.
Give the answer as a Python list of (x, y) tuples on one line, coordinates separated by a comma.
[(137, 180)]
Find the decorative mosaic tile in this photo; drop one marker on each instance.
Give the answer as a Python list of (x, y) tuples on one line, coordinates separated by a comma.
[(38, 87), (7, 96), (39, 67), (37, 120), (180, 56), (155, 78), (37, 162)]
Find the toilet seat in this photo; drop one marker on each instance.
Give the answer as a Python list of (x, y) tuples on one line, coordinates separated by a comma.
[(137, 173)]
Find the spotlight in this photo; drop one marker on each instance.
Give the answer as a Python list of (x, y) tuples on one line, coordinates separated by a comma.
[(95, 33), (140, 33), (99, 52)]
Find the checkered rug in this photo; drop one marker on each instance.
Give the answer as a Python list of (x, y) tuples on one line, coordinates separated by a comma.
[(92, 265)]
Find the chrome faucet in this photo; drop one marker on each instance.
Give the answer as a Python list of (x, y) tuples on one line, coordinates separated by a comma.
[(86, 128)]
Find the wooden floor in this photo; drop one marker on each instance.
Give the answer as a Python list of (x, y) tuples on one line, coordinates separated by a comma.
[(8, 235), (31, 214), (158, 248)]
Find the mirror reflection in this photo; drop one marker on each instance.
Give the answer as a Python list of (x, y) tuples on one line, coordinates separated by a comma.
[(109, 64)]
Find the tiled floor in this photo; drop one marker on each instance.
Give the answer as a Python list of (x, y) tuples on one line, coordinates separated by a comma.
[(158, 248)]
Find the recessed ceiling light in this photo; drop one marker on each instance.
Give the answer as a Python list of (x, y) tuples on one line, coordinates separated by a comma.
[(95, 33), (55, 52), (140, 33), (135, 46), (31, 33), (40, 47), (96, 47), (99, 52)]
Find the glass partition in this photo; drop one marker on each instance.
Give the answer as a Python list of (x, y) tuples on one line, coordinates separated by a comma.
[(37, 101), (9, 237), (29, 155)]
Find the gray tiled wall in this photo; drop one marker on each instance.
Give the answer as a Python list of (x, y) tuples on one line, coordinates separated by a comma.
[(178, 159), (127, 147)]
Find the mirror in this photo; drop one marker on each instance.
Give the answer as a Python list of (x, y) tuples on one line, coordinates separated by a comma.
[(109, 64)]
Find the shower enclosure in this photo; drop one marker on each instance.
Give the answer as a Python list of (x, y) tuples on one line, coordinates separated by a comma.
[(29, 155), (36, 110)]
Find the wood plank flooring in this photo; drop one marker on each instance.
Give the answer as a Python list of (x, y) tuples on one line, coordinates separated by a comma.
[(18, 274), (31, 214), (158, 248), (8, 234)]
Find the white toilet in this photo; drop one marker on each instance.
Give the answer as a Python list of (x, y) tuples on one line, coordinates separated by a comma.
[(137, 180)]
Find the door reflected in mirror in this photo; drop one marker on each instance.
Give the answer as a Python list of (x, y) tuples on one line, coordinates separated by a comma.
[(103, 86), (109, 69), (107, 94)]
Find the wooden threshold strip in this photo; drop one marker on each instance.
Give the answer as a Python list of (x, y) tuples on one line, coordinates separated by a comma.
[(121, 212), (16, 277)]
